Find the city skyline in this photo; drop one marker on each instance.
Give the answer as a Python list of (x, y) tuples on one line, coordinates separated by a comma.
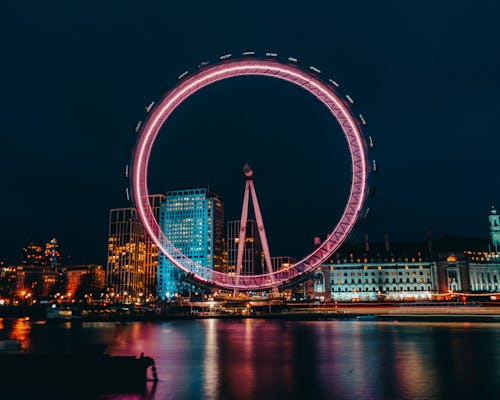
[(358, 236), (409, 86), (250, 200)]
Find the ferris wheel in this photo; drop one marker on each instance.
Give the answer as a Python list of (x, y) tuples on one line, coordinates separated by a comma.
[(249, 64)]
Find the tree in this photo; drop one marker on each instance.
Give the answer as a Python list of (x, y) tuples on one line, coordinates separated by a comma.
[(59, 286), (87, 286)]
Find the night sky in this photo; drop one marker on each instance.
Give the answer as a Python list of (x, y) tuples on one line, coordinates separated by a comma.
[(76, 76)]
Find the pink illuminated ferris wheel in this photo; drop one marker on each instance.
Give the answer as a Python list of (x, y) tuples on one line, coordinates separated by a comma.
[(269, 66)]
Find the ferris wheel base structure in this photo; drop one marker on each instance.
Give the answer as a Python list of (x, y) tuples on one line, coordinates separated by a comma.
[(207, 75)]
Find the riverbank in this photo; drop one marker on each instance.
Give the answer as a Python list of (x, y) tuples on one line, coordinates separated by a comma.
[(376, 312)]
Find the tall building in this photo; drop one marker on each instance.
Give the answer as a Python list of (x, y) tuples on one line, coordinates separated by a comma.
[(132, 263), (37, 255), (193, 221), (33, 254), (51, 254), (253, 256)]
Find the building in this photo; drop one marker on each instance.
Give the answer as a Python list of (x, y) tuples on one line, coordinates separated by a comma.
[(484, 267), (253, 255), (33, 254), (52, 256), (374, 271), (34, 283), (132, 261), (37, 255), (452, 269), (484, 273), (469, 264), (8, 283), (282, 262), (494, 219), (369, 281), (84, 280), (193, 221)]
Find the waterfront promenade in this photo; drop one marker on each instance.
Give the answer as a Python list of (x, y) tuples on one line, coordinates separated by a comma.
[(268, 310)]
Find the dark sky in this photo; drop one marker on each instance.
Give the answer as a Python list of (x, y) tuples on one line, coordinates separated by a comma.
[(76, 76)]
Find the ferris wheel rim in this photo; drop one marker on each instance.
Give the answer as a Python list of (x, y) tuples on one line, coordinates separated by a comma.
[(208, 75)]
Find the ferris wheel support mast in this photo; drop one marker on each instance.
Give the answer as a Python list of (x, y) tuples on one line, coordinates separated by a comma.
[(250, 190)]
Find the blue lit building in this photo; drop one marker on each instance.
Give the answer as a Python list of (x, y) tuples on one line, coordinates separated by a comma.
[(193, 221)]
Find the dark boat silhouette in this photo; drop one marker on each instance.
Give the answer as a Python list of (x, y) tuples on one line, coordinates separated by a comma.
[(85, 370)]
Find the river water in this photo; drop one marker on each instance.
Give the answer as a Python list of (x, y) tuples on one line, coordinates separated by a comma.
[(271, 359)]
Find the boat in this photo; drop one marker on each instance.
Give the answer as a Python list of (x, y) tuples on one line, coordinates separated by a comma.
[(87, 368), (58, 313)]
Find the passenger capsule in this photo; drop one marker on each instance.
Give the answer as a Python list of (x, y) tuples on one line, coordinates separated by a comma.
[(183, 75), (225, 56), (248, 53), (350, 99), (292, 59), (363, 121), (128, 194), (271, 55), (150, 106), (315, 69), (334, 83), (138, 126)]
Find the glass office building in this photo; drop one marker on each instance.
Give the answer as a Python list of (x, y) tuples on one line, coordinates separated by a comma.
[(193, 221)]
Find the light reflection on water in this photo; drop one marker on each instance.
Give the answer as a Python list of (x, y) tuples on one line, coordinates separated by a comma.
[(268, 359)]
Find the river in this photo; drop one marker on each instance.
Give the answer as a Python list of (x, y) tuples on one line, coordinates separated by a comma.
[(271, 359)]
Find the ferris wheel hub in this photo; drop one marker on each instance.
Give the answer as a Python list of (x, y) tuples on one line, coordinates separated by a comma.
[(247, 170)]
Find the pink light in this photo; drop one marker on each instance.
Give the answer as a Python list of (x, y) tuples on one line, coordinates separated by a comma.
[(226, 70)]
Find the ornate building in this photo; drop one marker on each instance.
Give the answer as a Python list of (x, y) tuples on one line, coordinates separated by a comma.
[(369, 281), (484, 276)]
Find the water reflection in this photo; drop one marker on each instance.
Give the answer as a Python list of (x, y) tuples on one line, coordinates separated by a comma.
[(210, 364), (266, 359), (20, 329)]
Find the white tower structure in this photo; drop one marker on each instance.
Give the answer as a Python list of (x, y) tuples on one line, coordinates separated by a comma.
[(494, 228), (250, 191)]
